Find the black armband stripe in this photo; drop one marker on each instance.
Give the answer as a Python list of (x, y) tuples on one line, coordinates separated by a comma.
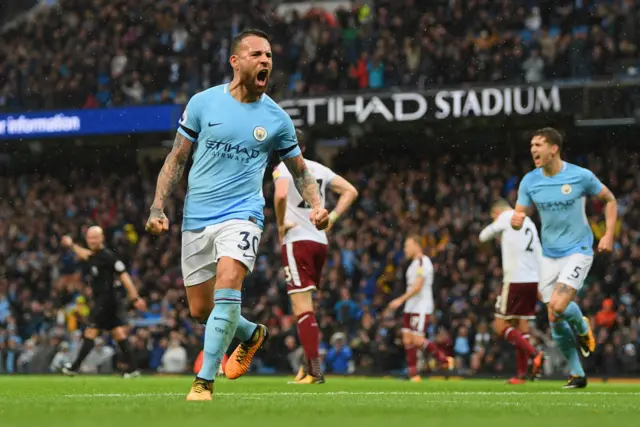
[(193, 134), (284, 151)]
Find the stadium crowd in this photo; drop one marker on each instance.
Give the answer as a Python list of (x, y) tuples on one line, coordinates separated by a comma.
[(95, 53), (446, 200)]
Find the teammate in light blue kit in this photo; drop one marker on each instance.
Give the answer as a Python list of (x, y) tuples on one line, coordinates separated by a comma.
[(233, 129), (559, 190)]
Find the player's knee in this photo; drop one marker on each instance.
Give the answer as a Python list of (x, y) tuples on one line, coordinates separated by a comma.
[(557, 306), (301, 302), (230, 274), (499, 326), (407, 341), (200, 310)]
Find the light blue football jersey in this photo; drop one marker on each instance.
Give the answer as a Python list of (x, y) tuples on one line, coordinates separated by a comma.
[(232, 145), (561, 201)]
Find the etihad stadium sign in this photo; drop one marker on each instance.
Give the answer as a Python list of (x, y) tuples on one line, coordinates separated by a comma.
[(434, 105)]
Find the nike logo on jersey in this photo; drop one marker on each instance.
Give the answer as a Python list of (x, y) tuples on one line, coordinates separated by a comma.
[(214, 124), (248, 256), (222, 318)]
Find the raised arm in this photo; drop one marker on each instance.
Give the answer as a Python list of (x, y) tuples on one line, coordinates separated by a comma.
[(82, 253), (304, 181), (169, 176), (171, 171), (611, 217), (524, 205), (348, 195), (307, 186), (490, 231)]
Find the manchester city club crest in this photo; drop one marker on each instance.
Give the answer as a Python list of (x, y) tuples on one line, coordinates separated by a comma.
[(259, 133), (566, 189)]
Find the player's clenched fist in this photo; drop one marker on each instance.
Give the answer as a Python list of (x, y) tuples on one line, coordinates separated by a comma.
[(157, 223), (517, 220), (319, 217), (606, 243)]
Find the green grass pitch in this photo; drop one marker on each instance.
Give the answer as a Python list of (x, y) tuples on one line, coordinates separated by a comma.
[(350, 402)]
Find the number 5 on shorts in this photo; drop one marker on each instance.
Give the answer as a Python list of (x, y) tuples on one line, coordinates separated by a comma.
[(576, 273)]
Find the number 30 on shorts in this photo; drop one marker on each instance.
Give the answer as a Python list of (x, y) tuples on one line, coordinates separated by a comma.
[(245, 244)]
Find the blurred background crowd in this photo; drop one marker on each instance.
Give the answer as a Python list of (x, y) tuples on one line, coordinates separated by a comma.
[(444, 199), (101, 53), (96, 53)]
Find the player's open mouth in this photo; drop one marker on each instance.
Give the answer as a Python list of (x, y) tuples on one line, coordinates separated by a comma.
[(262, 77)]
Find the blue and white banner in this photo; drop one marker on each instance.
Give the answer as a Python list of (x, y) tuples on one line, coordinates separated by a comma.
[(107, 121)]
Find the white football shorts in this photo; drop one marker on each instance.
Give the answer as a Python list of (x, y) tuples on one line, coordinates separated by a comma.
[(201, 250), (570, 270)]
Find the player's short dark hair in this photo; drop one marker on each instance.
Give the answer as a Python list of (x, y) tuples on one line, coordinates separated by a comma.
[(552, 136), (302, 138), (244, 34)]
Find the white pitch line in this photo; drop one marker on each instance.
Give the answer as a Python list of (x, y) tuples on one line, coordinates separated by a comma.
[(365, 393)]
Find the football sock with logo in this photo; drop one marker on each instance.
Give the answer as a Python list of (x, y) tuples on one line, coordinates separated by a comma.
[(565, 340), (220, 329), (245, 329), (412, 361), (514, 336), (309, 335), (85, 349), (574, 316)]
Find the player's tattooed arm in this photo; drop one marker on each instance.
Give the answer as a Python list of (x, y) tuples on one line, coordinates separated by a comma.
[(304, 181), (171, 173)]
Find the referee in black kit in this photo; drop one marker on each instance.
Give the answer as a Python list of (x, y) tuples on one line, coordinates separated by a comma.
[(108, 312)]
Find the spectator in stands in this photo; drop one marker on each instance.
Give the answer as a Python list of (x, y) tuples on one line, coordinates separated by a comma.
[(61, 357), (606, 317), (338, 359), (174, 359), (99, 360), (93, 54), (442, 198)]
